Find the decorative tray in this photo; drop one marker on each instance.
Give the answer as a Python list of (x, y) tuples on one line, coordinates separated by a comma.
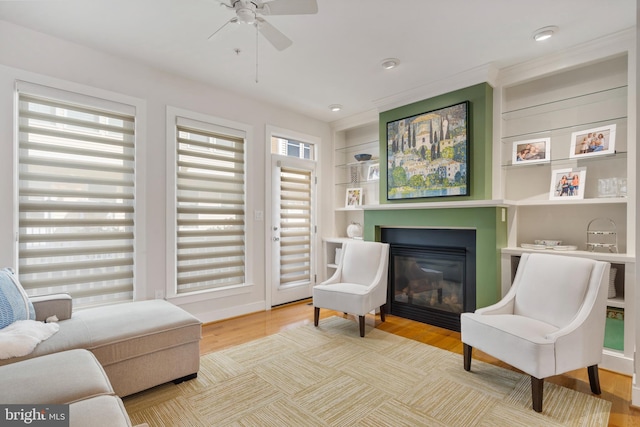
[(565, 248), (544, 247), (533, 246)]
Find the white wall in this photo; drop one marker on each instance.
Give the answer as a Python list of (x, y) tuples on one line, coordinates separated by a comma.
[(32, 56)]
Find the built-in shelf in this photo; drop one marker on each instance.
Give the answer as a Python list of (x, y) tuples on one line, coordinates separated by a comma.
[(487, 204), (372, 161), (350, 209), (508, 164), (589, 201), (616, 302), (603, 256)]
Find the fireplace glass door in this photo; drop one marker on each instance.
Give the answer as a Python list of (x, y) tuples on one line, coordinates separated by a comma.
[(428, 282)]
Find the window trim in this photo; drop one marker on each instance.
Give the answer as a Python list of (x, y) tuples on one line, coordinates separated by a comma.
[(43, 86), (219, 125)]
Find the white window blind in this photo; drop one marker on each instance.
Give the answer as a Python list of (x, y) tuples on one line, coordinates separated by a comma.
[(76, 200), (210, 208), (295, 225)]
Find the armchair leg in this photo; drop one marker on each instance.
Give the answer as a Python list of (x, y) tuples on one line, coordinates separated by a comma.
[(316, 315), (466, 353), (383, 309), (594, 379), (361, 319), (537, 384)]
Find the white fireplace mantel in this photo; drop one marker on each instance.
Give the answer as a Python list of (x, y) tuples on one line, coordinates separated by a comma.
[(439, 205)]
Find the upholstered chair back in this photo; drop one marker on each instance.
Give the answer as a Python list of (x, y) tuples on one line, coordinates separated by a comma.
[(361, 262), (549, 291)]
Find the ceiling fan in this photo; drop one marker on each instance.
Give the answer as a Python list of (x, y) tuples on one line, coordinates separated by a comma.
[(250, 11)]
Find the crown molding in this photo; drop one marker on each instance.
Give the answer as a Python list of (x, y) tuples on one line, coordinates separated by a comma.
[(482, 74), (593, 51), (356, 120)]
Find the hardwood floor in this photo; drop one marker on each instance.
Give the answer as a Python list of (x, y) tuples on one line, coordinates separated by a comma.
[(218, 335)]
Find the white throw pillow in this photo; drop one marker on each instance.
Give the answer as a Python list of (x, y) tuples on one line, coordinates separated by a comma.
[(22, 336)]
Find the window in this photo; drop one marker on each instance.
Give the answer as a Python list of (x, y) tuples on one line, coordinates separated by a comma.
[(76, 198), (291, 148), (210, 207), (295, 225)]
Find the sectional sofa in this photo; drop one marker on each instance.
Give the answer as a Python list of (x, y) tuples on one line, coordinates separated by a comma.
[(101, 354)]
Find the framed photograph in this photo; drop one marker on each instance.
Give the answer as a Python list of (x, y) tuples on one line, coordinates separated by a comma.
[(374, 172), (354, 197), (531, 151), (567, 184), (593, 142), (428, 154)]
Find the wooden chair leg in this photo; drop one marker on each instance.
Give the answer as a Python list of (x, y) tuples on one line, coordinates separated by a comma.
[(316, 315), (466, 353), (383, 309), (594, 379), (537, 384), (361, 318)]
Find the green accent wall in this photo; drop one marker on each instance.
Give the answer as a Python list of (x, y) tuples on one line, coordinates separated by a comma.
[(480, 99), (491, 231), (491, 236)]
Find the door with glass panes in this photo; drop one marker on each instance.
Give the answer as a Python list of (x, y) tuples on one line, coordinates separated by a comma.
[(292, 229)]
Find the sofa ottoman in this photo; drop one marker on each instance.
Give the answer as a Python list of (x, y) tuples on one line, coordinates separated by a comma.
[(139, 344)]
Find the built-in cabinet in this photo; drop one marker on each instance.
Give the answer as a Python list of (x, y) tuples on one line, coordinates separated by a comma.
[(350, 174), (553, 109), (550, 107), (331, 247)]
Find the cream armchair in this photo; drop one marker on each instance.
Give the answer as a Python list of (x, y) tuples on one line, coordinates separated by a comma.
[(359, 284), (550, 322)]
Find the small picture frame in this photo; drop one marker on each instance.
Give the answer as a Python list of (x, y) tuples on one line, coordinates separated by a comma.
[(593, 142), (567, 184), (531, 151), (374, 172), (354, 197)]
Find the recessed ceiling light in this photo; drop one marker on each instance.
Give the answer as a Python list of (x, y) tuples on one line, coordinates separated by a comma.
[(544, 33), (335, 107), (390, 63)]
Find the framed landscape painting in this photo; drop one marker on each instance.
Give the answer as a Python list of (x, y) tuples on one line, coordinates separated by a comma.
[(428, 154)]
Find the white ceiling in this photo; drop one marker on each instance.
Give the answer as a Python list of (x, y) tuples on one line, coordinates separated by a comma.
[(336, 53)]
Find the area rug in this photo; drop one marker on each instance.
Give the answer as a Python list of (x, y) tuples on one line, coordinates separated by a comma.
[(329, 376)]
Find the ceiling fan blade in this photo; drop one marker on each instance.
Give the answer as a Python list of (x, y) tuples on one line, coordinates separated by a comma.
[(231, 21), (290, 7), (275, 37)]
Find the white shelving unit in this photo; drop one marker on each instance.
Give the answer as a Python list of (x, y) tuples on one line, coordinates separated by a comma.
[(554, 106), (349, 173), (330, 244)]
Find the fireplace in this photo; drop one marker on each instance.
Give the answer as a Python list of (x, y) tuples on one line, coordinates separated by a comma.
[(432, 274)]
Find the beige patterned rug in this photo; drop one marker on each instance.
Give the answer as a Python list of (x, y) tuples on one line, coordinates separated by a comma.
[(329, 376)]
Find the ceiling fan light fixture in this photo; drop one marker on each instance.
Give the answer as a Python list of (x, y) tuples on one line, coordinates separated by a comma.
[(246, 15), (390, 63), (544, 33), (335, 107)]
